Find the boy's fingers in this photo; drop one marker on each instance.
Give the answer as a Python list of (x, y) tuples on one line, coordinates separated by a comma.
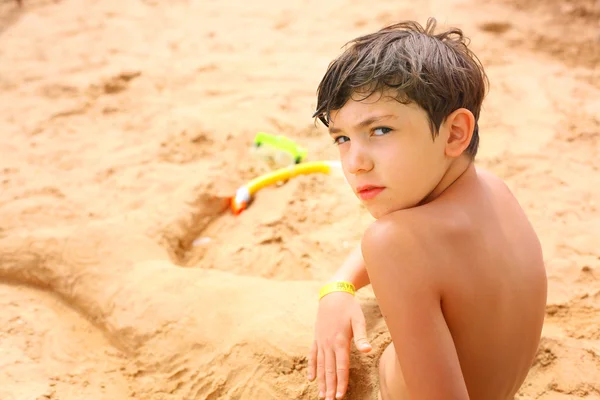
[(321, 371), (312, 361), (330, 373), (359, 330), (342, 360)]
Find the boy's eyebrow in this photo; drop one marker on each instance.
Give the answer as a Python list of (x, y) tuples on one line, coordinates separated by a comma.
[(364, 123)]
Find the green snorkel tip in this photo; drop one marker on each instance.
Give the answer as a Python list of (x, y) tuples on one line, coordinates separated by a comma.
[(281, 143)]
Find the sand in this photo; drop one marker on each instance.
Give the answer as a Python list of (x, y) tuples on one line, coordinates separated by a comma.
[(125, 126)]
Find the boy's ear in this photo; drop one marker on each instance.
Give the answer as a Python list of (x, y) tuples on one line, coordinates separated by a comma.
[(460, 125)]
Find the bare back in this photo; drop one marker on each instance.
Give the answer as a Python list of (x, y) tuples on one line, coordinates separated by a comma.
[(494, 283)]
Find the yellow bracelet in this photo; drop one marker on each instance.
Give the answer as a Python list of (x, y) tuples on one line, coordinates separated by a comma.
[(340, 286)]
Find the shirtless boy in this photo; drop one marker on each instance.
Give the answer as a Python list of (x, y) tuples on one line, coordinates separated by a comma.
[(456, 267)]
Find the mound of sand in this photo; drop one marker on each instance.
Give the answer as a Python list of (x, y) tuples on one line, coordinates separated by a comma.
[(125, 127)]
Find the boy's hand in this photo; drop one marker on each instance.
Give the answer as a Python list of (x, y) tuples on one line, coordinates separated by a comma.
[(338, 320)]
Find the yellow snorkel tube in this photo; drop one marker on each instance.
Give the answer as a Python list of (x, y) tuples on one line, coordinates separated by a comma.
[(244, 194)]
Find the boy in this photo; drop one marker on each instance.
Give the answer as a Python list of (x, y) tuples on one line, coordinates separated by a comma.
[(453, 261)]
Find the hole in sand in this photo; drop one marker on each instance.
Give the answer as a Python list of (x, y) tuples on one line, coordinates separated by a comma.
[(182, 234)]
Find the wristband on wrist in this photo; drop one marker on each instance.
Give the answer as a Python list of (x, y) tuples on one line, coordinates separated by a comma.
[(339, 286)]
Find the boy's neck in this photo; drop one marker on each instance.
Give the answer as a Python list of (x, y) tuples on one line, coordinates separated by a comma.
[(459, 167)]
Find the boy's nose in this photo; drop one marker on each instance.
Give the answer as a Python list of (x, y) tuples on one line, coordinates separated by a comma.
[(358, 160)]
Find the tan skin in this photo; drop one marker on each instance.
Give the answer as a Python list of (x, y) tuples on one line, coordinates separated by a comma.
[(454, 263)]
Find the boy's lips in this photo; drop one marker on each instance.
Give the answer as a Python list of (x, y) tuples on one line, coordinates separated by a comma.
[(368, 192)]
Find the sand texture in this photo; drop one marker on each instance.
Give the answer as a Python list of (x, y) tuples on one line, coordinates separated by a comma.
[(124, 127)]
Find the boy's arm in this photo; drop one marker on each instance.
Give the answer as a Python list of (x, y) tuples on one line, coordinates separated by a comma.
[(353, 269), (339, 319), (405, 284)]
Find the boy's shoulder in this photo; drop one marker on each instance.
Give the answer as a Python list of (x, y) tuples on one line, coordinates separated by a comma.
[(433, 231), (425, 225), (398, 242)]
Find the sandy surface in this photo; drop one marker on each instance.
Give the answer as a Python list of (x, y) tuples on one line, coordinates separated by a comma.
[(125, 125)]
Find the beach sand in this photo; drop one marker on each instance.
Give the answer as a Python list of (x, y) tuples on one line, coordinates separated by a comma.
[(125, 126)]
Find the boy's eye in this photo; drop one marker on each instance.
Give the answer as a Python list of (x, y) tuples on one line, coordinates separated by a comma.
[(381, 129), (340, 139)]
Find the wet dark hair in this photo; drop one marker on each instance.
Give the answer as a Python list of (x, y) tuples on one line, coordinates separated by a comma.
[(438, 72)]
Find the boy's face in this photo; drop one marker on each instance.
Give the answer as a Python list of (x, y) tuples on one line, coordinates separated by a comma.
[(387, 152)]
